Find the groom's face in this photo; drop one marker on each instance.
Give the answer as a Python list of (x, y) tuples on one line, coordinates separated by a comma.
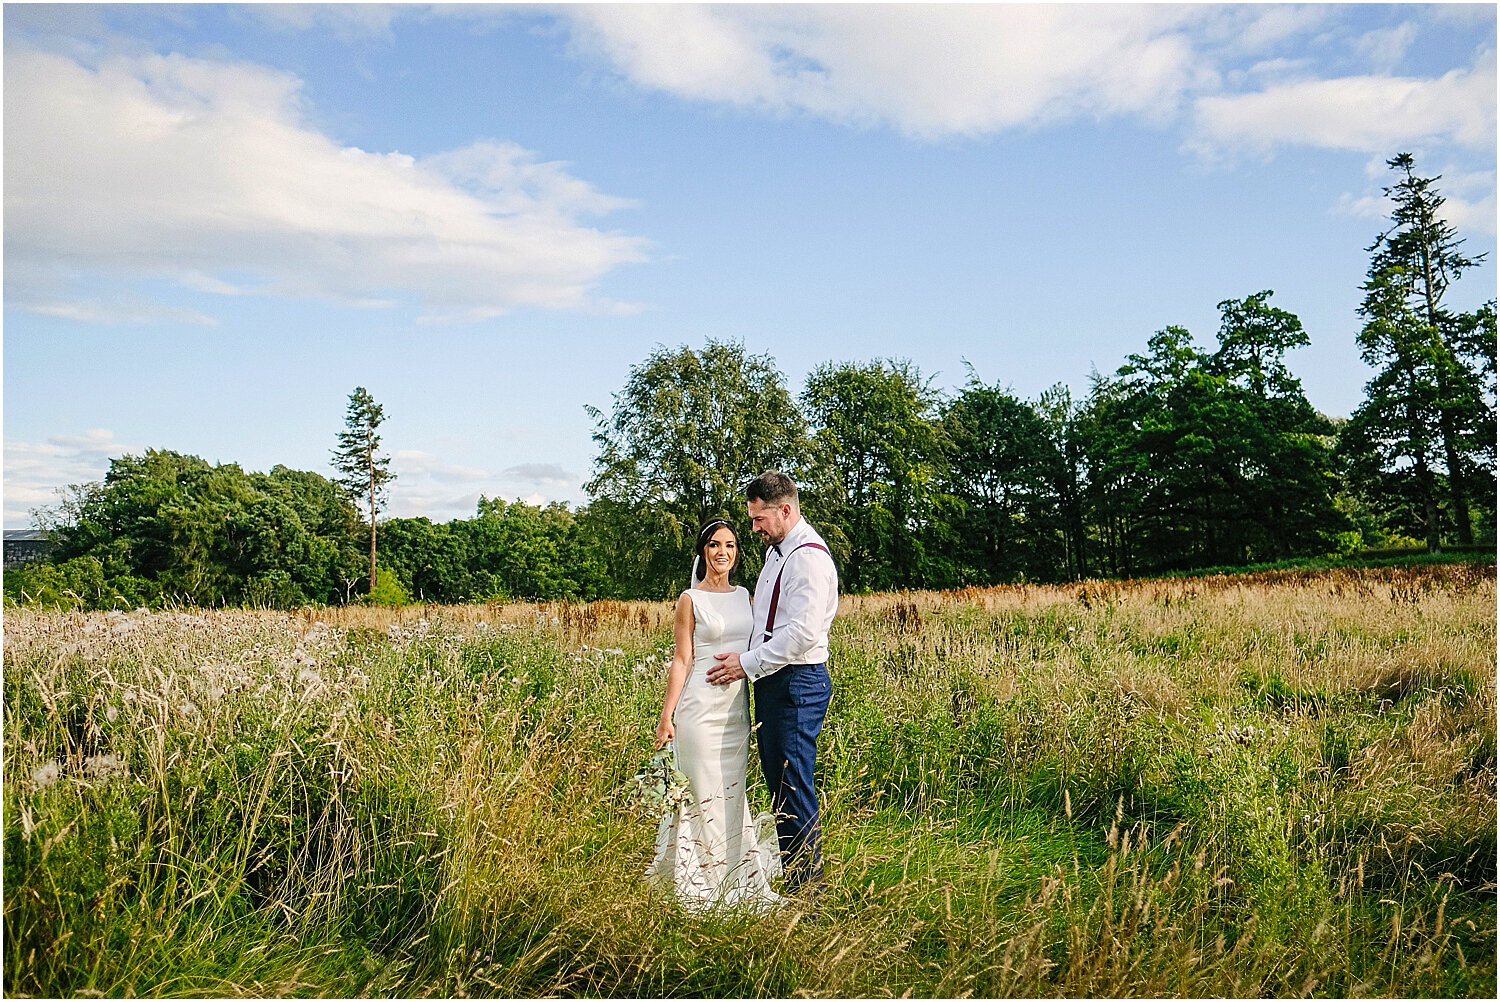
[(770, 521)]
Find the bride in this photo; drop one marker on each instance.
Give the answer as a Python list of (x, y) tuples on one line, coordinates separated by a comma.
[(708, 854)]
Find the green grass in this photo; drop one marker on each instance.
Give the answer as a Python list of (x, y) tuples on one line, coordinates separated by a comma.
[(1272, 786)]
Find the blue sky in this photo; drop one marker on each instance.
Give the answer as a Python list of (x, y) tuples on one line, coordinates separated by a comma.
[(219, 220)]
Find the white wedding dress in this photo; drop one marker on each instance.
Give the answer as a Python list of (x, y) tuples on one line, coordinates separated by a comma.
[(711, 854)]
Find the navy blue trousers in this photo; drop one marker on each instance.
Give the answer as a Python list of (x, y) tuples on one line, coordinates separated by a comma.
[(789, 709)]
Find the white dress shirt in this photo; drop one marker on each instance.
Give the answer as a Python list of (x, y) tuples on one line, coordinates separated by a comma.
[(809, 598)]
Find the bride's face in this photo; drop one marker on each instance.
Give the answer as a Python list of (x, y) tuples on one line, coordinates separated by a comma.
[(720, 551)]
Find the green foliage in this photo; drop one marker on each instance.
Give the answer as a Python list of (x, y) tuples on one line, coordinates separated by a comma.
[(77, 583), (387, 590), (165, 528), (874, 485), (365, 472), (1006, 472), (509, 550), (1421, 448), (687, 432), (1196, 459), (1347, 544), (1283, 480)]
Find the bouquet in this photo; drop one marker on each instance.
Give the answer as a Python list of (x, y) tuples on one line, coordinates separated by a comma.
[(659, 788)]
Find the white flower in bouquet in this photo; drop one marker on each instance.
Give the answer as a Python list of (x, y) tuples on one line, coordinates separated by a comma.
[(659, 788)]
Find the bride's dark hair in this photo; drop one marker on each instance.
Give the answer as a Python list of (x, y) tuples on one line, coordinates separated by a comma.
[(705, 534)]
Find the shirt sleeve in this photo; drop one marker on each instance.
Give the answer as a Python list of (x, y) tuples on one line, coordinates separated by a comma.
[(804, 597)]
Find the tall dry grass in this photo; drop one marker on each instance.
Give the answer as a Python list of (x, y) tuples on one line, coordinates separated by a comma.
[(1281, 785)]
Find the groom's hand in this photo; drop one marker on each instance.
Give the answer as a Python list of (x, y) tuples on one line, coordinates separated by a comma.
[(727, 670)]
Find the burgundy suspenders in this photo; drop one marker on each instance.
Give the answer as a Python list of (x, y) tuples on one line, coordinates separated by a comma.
[(776, 591)]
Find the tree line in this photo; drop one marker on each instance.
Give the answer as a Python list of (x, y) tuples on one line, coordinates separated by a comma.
[(1182, 458)]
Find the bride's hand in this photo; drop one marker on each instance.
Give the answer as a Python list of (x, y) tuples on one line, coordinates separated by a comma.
[(664, 733)]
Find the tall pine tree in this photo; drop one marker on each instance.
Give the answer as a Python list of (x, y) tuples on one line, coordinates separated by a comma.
[(1427, 423), (364, 471)]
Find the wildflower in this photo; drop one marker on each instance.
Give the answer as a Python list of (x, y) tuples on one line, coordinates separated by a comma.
[(104, 766), (47, 774), (309, 678), (110, 713)]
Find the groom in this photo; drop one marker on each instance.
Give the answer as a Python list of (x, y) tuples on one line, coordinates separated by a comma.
[(795, 599)]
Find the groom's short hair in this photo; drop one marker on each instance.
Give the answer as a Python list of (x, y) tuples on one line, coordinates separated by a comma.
[(772, 487)]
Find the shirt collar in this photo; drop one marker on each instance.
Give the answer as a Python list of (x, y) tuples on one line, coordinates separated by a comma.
[(794, 536)]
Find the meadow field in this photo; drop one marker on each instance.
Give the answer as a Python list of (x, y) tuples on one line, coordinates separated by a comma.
[(1280, 784)]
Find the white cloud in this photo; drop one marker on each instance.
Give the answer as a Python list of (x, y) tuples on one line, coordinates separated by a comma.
[(543, 475), (1363, 206), (1367, 114), (413, 463), (445, 506), (1472, 215), (205, 172), (1464, 15), (1385, 47), (1468, 198), (936, 71), (346, 21), (121, 309), (429, 486), (1257, 27), (36, 472), (929, 70), (1278, 68)]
